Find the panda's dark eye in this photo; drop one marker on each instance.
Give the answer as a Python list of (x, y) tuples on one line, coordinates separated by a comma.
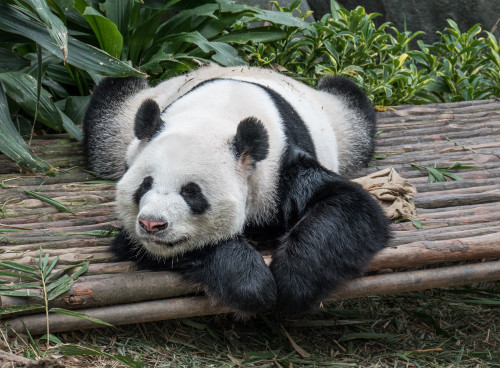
[(145, 186), (192, 194)]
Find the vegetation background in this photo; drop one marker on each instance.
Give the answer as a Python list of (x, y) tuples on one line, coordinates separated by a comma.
[(52, 53)]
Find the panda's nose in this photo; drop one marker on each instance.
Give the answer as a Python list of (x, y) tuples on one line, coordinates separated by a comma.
[(152, 226)]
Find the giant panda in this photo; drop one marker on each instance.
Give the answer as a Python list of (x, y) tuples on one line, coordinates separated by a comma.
[(214, 159)]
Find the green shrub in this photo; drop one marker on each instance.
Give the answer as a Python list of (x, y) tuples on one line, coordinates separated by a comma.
[(53, 52)]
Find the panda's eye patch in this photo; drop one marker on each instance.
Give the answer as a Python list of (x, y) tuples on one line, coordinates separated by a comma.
[(145, 186), (192, 194)]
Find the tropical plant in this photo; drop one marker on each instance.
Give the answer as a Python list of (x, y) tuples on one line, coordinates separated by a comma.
[(52, 52)]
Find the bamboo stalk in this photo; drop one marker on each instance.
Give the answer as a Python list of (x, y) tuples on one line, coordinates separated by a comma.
[(185, 307), (139, 286)]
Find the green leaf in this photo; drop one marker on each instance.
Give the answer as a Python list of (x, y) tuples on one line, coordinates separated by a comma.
[(262, 34), (70, 127), (435, 175), (22, 88), (79, 315), (59, 287), (19, 267), (54, 25), (119, 13), (417, 224), (49, 201), (18, 275), (80, 54), (12, 144), (224, 54), (19, 308), (18, 293), (69, 350), (10, 61), (105, 30)]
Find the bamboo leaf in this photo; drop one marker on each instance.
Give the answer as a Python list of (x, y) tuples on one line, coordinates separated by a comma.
[(69, 350), (18, 275), (105, 30), (19, 293), (79, 315), (54, 25), (19, 308), (20, 285), (19, 267), (13, 145), (49, 201), (59, 287)]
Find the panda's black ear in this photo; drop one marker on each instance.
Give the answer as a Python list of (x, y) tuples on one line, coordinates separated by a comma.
[(147, 120), (251, 141)]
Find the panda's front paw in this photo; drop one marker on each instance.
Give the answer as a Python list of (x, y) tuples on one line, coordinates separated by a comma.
[(234, 274), (298, 288)]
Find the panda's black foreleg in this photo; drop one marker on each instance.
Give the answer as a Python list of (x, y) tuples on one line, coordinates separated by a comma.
[(334, 228), (234, 273)]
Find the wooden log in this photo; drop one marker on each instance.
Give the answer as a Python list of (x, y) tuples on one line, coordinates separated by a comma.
[(199, 306), (429, 252), (92, 291)]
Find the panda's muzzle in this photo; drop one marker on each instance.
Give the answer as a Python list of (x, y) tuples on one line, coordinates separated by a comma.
[(152, 226)]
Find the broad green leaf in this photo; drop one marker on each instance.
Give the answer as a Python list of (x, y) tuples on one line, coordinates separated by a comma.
[(110, 39), (224, 54), (263, 34), (10, 61), (118, 13), (22, 88), (49, 201), (14, 146), (54, 25), (70, 127), (79, 315), (280, 18), (80, 54)]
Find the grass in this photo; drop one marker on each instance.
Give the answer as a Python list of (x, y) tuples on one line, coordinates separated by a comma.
[(434, 328)]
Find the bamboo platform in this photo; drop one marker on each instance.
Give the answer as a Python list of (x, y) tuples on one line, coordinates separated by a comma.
[(459, 244)]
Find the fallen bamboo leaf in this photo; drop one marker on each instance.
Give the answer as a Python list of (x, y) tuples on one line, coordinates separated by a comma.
[(56, 204), (16, 227), (298, 349), (79, 315)]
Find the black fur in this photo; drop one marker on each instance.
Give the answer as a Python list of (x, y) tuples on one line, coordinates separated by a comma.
[(333, 228), (99, 138), (147, 120), (296, 130), (192, 194), (232, 271), (251, 139), (145, 186)]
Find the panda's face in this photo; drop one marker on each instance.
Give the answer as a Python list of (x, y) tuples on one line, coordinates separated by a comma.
[(181, 192)]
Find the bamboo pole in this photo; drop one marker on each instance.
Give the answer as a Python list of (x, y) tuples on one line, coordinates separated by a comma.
[(127, 286), (185, 307)]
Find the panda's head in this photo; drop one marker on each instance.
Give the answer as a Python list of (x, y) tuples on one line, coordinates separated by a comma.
[(186, 185)]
